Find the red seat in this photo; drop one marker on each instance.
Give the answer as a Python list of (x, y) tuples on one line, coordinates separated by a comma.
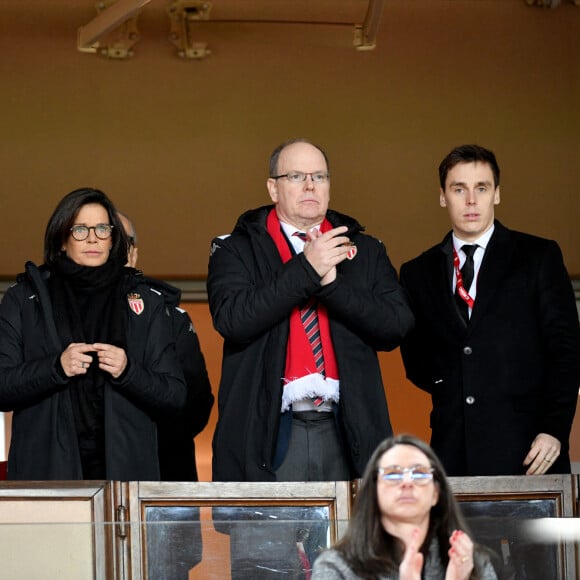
[(3, 465)]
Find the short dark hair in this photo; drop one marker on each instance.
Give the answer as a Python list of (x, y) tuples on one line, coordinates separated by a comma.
[(468, 154), (366, 546), (273, 171), (64, 215)]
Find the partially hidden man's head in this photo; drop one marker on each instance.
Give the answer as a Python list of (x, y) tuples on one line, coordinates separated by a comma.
[(133, 250)]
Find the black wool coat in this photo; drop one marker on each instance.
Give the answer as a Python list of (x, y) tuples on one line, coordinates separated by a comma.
[(513, 371)]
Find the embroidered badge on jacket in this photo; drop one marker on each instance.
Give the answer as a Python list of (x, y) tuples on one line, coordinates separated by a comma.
[(351, 251), (136, 303)]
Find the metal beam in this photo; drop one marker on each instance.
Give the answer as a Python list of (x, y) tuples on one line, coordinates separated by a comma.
[(366, 34), (107, 20)]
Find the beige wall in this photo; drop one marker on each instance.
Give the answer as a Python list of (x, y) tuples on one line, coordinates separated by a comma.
[(182, 146)]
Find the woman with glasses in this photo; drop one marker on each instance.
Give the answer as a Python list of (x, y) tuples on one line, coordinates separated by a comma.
[(86, 356), (406, 524)]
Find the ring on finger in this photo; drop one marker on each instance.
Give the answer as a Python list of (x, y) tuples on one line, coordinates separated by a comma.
[(464, 559)]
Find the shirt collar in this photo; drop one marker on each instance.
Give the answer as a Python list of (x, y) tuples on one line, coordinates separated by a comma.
[(482, 241), (289, 230)]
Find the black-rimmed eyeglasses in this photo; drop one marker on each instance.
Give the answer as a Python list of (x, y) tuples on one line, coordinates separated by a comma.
[(395, 474), (102, 231), (300, 177)]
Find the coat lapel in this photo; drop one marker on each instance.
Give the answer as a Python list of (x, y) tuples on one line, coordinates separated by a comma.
[(494, 268), (444, 281)]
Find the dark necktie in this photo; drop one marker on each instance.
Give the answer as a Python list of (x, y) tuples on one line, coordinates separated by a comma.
[(309, 317), (467, 275)]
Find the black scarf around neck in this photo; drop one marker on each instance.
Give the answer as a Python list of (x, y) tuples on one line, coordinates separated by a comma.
[(89, 305), (88, 301)]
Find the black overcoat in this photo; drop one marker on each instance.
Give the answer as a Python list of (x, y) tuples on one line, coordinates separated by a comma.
[(509, 374)]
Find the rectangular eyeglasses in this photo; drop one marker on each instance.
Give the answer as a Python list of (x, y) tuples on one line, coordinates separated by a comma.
[(393, 475)]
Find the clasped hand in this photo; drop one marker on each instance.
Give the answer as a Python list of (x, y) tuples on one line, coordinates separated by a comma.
[(77, 358), (325, 250)]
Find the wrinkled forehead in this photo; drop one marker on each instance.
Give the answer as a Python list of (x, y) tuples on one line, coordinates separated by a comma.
[(301, 157)]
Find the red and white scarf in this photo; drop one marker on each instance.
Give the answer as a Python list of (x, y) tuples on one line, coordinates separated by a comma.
[(301, 379)]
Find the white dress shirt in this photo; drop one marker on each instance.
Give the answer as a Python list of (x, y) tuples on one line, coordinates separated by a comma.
[(481, 243)]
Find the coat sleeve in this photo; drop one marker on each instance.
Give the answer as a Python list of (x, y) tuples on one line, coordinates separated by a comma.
[(416, 344), (247, 299), (560, 332), (153, 376), (28, 368), (370, 301), (199, 395)]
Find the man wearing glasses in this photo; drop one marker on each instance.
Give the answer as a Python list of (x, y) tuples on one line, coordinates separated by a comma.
[(304, 300)]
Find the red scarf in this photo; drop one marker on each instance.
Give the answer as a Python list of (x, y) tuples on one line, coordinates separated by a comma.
[(301, 379)]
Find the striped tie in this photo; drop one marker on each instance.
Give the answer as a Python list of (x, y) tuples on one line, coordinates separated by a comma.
[(309, 317)]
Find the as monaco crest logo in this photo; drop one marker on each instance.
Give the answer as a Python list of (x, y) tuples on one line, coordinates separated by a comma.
[(136, 303), (351, 251)]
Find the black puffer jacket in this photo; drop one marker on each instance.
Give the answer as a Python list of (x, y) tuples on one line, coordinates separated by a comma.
[(175, 432), (251, 295), (43, 442)]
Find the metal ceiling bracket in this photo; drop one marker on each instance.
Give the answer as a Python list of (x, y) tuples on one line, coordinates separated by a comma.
[(365, 35), (182, 14), (359, 41), (114, 32)]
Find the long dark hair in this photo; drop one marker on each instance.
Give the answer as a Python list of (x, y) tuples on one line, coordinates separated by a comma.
[(371, 551), (64, 215)]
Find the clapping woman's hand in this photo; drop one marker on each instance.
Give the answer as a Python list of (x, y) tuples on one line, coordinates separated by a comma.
[(460, 556), (412, 564)]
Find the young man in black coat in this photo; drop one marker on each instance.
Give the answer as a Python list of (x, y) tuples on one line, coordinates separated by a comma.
[(496, 342)]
